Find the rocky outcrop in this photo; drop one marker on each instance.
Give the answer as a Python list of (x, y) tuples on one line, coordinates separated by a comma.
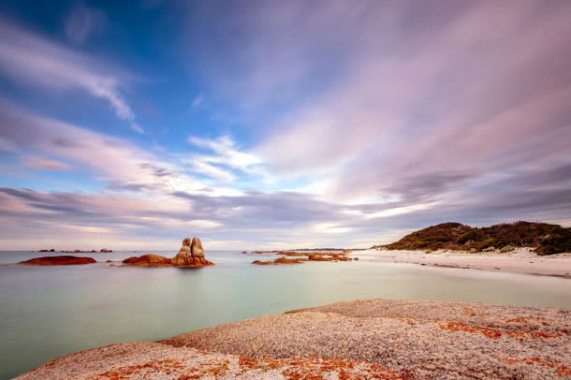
[(367, 339), (190, 255), (298, 257), (320, 257), (59, 260), (105, 250), (47, 250), (281, 260), (150, 260)]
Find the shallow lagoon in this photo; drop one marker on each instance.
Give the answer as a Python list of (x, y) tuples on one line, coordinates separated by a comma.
[(46, 312)]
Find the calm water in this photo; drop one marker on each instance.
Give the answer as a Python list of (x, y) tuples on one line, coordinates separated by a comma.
[(50, 311)]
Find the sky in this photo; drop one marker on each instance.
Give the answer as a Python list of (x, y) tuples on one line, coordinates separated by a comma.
[(279, 124)]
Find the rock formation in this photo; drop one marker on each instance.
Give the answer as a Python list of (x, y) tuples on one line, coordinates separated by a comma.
[(298, 257), (184, 254), (59, 260), (150, 260), (190, 255)]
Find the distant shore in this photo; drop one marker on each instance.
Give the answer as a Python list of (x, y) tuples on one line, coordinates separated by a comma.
[(386, 339), (520, 260)]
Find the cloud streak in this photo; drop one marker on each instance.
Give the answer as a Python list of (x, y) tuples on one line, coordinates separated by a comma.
[(352, 123), (37, 61)]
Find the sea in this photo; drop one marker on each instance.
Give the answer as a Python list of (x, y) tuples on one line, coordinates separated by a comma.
[(46, 312)]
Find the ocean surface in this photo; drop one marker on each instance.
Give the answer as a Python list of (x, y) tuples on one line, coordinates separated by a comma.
[(46, 312)]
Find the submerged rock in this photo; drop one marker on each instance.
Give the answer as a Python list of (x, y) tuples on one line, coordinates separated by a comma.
[(59, 260)]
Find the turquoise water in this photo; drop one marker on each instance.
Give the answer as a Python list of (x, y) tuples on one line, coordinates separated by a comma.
[(46, 312)]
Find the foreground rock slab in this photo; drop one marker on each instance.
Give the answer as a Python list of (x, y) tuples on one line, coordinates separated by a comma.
[(374, 339), (157, 361), (416, 339), (59, 260)]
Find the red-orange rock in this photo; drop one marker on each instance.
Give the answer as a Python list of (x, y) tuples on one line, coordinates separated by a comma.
[(59, 260), (281, 260), (150, 260), (185, 258)]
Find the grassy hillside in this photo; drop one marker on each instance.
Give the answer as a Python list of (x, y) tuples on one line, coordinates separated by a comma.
[(546, 238)]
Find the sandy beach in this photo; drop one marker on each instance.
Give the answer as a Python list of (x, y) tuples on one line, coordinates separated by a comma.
[(383, 339), (521, 260)]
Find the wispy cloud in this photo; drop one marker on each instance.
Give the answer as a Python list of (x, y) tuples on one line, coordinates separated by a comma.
[(364, 120), (224, 158), (109, 159), (34, 162), (197, 101), (84, 22), (28, 58)]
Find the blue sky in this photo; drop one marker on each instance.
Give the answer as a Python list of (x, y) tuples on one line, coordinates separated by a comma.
[(270, 124)]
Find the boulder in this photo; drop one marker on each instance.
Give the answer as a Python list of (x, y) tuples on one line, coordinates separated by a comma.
[(184, 256), (59, 260), (191, 254), (105, 250), (196, 247), (150, 260)]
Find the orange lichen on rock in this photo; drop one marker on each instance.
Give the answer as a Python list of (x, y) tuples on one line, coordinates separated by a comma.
[(543, 361), (166, 366), (495, 333), (315, 369), (318, 369)]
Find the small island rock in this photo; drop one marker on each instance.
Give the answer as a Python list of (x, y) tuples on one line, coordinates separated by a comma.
[(59, 260), (150, 260), (190, 255)]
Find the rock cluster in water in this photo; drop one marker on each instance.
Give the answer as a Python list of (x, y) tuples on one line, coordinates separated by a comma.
[(302, 257), (190, 255), (59, 260)]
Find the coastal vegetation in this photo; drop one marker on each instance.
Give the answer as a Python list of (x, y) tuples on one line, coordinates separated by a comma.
[(546, 238)]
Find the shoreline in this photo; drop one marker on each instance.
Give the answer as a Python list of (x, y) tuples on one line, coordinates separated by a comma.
[(521, 260), (379, 338)]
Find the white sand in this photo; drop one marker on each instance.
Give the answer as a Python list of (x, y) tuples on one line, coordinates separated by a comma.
[(521, 260)]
